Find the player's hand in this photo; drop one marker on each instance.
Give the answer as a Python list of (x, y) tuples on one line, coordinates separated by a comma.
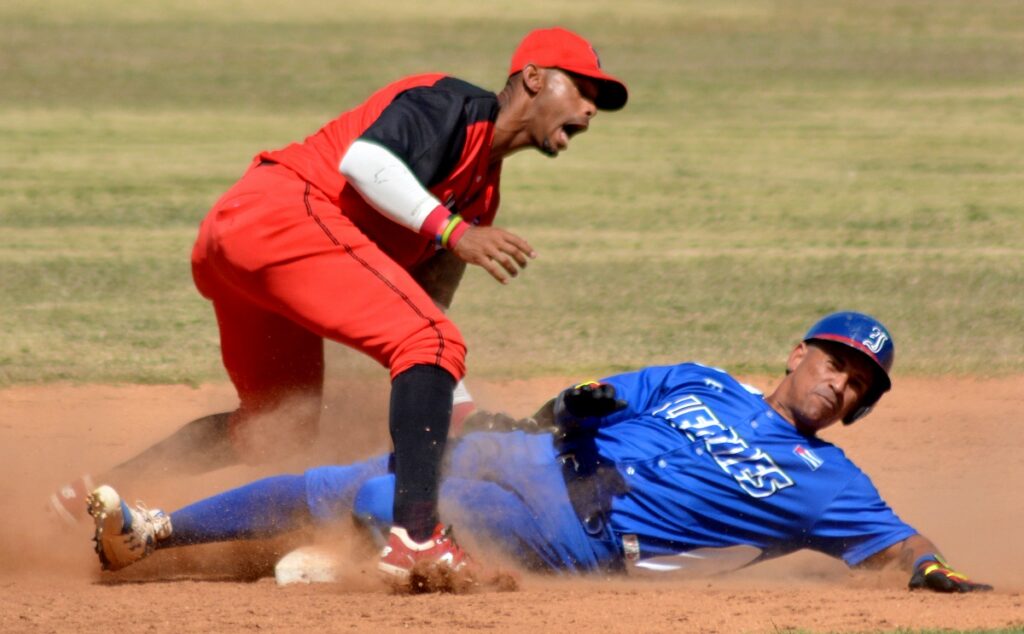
[(501, 253), (933, 573), (586, 400)]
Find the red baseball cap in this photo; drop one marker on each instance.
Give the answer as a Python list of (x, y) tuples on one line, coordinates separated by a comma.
[(560, 48)]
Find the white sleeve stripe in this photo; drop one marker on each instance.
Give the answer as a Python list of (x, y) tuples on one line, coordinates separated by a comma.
[(387, 183)]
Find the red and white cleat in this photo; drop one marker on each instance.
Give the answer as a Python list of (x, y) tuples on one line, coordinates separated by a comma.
[(69, 502), (438, 564)]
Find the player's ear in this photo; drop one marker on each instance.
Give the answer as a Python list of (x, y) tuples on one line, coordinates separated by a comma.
[(796, 357), (533, 79)]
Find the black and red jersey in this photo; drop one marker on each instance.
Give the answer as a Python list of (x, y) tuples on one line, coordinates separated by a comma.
[(440, 126)]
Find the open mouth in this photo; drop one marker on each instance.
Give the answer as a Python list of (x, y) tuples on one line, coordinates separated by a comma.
[(572, 129)]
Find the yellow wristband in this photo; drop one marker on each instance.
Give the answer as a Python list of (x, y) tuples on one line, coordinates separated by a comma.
[(447, 233)]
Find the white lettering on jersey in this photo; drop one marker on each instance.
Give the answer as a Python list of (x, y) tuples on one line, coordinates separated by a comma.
[(753, 469)]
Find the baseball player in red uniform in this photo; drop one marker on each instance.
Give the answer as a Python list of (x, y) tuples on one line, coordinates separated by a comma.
[(360, 234)]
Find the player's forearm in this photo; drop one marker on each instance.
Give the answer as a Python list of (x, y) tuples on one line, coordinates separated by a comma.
[(902, 555), (928, 569), (440, 277), (388, 184)]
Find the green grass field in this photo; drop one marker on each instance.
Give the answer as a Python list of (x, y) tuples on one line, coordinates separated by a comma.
[(777, 160)]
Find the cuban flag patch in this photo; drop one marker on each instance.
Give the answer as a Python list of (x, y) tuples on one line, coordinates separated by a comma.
[(808, 456)]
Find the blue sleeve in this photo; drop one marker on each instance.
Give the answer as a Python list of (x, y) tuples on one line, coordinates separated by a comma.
[(858, 524), (641, 390)]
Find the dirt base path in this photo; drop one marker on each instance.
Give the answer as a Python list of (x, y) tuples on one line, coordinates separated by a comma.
[(948, 455)]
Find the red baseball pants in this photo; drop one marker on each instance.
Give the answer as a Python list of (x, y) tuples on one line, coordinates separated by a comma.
[(285, 270)]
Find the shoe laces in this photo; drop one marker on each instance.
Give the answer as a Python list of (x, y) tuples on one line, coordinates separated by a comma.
[(156, 519), (447, 534), (444, 533)]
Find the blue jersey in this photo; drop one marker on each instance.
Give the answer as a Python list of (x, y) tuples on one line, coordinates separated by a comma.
[(706, 463), (697, 471)]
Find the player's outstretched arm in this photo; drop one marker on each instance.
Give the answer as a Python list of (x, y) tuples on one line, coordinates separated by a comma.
[(572, 409), (928, 569)]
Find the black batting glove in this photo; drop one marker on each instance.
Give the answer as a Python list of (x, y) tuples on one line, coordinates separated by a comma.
[(931, 572), (586, 400)]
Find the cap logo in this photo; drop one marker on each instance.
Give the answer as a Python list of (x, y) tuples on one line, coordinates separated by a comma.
[(876, 340)]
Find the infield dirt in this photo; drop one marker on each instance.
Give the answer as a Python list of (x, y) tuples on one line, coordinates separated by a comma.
[(947, 454)]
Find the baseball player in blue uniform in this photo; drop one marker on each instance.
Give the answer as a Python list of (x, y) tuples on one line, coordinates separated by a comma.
[(659, 469)]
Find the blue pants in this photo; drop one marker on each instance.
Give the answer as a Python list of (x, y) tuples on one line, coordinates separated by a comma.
[(505, 489)]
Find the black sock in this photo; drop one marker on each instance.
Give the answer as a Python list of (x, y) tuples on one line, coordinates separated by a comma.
[(421, 410)]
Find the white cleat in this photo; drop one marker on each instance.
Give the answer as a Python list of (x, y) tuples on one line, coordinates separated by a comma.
[(124, 535)]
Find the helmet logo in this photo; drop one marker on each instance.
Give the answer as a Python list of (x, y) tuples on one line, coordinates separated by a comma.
[(876, 339)]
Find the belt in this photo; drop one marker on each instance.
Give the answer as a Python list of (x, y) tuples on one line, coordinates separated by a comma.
[(590, 490)]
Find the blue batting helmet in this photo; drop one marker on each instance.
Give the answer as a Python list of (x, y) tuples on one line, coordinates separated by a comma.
[(868, 336)]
